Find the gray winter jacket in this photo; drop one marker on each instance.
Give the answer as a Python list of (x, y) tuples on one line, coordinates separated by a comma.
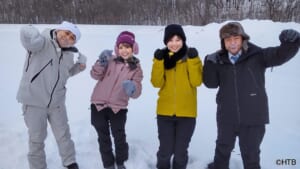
[(46, 70)]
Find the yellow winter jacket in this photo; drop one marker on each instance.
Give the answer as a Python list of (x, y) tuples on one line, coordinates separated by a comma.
[(178, 93)]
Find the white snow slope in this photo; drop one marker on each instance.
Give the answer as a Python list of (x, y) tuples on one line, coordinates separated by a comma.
[(282, 139)]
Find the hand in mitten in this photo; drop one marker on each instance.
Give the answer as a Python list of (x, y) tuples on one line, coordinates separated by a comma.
[(192, 53), (29, 31), (31, 38), (129, 87), (159, 54), (81, 60), (289, 36), (104, 57), (212, 58)]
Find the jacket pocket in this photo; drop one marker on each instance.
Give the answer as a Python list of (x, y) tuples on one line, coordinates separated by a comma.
[(43, 68)]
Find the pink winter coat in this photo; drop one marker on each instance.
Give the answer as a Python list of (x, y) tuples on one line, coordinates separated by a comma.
[(109, 91)]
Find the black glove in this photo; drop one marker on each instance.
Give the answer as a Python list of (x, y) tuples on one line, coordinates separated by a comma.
[(212, 58), (159, 54), (192, 53), (289, 36)]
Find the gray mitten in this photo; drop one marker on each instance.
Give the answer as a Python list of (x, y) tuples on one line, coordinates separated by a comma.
[(104, 57), (31, 38), (29, 31), (289, 36), (81, 58), (129, 87)]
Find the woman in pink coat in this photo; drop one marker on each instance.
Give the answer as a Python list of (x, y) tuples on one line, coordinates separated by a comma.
[(118, 79)]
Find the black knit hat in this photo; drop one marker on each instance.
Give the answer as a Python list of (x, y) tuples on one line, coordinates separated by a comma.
[(174, 29)]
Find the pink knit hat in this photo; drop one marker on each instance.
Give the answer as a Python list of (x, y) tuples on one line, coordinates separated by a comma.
[(129, 38)]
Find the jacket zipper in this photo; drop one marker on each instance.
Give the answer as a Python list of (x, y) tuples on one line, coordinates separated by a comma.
[(28, 60), (114, 84), (58, 76), (236, 94), (174, 105), (38, 73)]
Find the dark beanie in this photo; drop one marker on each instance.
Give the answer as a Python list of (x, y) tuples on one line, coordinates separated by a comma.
[(173, 29)]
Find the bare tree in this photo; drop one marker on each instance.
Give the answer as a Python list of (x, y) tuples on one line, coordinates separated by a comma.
[(146, 12)]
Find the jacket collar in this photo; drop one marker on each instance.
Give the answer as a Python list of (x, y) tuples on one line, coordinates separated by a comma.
[(252, 50), (132, 62)]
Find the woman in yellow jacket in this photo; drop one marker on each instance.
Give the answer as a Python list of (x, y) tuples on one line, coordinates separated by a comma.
[(177, 71)]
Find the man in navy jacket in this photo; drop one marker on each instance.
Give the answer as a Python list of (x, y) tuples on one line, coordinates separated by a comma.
[(238, 71)]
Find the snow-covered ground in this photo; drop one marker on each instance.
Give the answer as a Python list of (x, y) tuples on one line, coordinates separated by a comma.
[(282, 139)]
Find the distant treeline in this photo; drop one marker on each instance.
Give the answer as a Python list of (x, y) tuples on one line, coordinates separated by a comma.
[(146, 12)]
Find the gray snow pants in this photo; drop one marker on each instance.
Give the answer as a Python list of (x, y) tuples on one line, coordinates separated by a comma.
[(36, 121)]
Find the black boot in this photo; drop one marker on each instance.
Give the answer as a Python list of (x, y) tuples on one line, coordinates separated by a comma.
[(122, 166), (73, 166), (210, 166)]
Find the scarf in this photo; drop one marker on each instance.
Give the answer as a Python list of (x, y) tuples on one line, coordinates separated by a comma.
[(170, 61)]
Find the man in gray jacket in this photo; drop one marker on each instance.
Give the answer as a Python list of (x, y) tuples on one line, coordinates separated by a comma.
[(48, 65)]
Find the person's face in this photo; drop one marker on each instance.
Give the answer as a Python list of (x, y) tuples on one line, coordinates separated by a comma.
[(233, 44), (125, 50), (65, 38), (175, 44)]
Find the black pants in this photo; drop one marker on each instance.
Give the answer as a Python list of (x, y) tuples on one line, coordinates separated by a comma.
[(105, 121), (174, 135), (250, 138)]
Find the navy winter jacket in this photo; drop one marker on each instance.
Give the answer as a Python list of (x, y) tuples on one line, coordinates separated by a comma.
[(242, 98)]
